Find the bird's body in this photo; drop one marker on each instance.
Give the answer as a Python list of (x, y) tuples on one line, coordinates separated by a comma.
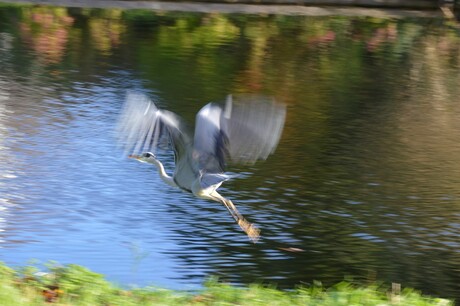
[(240, 132)]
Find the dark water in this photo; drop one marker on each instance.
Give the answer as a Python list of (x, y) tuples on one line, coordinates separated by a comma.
[(365, 182)]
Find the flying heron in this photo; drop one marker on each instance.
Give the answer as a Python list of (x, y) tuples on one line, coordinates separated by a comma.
[(244, 130)]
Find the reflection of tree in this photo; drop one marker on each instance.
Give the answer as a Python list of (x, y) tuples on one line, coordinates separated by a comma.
[(46, 30), (383, 34), (428, 121), (106, 30), (186, 34), (258, 33)]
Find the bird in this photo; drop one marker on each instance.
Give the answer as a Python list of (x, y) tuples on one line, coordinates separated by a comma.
[(242, 130)]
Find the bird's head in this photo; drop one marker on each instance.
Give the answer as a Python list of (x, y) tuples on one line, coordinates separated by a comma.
[(147, 157)]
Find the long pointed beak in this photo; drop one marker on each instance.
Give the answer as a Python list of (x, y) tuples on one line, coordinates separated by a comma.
[(134, 156)]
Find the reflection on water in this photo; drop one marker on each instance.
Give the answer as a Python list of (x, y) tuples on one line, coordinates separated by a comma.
[(364, 182)]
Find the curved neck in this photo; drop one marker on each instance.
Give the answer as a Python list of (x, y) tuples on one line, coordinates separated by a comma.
[(163, 175)]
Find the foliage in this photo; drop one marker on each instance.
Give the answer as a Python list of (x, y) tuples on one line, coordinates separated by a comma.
[(76, 285)]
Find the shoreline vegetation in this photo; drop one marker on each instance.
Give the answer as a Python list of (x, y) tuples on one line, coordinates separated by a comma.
[(409, 4), (371, 8), (76, 285)]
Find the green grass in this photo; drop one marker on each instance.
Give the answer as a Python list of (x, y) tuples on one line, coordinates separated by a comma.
[(76, 285)]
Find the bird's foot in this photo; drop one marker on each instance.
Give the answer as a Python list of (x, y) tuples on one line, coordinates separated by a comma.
[(250, 229)]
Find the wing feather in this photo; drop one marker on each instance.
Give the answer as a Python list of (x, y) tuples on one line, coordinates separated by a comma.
[(247, 129), (253, 127), (142, 127)]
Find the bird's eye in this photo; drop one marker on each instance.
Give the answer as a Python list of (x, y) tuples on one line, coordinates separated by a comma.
[(148, 154)]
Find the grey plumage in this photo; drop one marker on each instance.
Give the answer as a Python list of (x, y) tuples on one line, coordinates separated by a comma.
[(244, 130)]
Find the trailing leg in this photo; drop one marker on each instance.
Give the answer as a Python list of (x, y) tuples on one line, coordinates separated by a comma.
[(250, 229)]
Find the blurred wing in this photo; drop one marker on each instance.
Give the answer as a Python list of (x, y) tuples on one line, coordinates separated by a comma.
[(142, 126), (209, 143), (246, 130), (253, 126)]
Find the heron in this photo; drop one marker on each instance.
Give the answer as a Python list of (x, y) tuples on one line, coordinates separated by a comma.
[(242, 130)]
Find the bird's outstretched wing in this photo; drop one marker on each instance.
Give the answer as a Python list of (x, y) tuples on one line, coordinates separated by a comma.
[(246, 129), (142, 126)]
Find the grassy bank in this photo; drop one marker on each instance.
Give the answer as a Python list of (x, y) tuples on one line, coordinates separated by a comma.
[(75, 285)]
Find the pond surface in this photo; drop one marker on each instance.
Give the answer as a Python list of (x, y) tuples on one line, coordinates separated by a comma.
[(365, 183)]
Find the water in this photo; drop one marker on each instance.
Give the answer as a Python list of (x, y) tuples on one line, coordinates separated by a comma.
[(364, 183)]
